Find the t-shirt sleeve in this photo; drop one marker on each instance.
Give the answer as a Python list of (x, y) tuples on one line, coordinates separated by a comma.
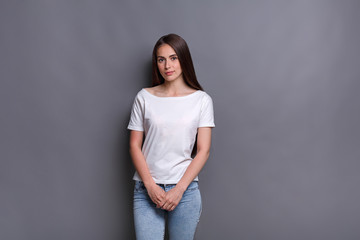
[(137, 115), (207, 113)]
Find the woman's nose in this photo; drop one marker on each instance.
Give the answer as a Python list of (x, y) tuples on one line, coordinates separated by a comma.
[(167, 65)]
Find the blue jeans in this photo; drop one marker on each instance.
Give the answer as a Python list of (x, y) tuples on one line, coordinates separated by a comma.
[(182, 221)]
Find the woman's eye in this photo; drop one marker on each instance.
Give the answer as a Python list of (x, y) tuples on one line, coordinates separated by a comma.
[(160, 60), (173, 58)]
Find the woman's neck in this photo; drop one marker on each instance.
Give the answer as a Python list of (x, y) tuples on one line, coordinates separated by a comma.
[(175, 89), (175, 86)]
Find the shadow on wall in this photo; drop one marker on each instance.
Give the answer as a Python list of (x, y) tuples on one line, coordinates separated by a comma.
[(124, 164), (125, 172)]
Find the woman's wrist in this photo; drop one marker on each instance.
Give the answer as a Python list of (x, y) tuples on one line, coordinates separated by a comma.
[(149, 183), (181, 186)]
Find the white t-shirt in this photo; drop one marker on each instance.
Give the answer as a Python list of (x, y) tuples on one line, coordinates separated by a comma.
[(170, 125)]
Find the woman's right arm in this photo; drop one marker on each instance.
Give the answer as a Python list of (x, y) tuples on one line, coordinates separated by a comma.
[(156, 193)]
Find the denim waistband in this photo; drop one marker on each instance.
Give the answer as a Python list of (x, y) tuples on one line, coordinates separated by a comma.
[(167, 187)]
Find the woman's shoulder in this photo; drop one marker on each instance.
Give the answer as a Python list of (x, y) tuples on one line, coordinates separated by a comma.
[(205, 95), (143, 91), (151, 90), (140, 95)]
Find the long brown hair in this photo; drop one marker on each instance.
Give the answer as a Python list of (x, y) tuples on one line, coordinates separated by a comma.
[(182, 51)]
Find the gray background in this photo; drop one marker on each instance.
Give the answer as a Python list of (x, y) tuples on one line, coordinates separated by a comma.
[(284, 78)]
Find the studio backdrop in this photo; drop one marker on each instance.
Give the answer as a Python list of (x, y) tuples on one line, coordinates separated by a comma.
[(284, 77)]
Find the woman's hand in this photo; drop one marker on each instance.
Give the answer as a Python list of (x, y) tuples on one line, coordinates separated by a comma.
[(157, 194), (172, 198)]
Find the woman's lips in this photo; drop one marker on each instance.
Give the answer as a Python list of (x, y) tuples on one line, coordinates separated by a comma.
[(169, 73)]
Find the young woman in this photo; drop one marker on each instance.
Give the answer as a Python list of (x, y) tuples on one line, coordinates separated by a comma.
[(172, 115)]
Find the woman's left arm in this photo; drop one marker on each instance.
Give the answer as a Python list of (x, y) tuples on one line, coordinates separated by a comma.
[(174, 196)]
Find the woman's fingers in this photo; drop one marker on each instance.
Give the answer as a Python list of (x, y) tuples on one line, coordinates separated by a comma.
[(165, 200), (172, 199), (160, 202), (157, 195), (166, 206), (169, 206)]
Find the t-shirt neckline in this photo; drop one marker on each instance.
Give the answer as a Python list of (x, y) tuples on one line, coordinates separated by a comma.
[(179, 97)]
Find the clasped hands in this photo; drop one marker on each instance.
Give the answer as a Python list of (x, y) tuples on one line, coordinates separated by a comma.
[(165, 200)]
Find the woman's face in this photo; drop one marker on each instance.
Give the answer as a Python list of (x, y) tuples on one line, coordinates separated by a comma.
[(168, 63)]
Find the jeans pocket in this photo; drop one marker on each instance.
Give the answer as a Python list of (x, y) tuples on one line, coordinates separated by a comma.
[(193, 186), (139, 186)]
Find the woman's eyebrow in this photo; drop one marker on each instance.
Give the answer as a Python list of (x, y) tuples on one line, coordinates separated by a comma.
[(172, 55)]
